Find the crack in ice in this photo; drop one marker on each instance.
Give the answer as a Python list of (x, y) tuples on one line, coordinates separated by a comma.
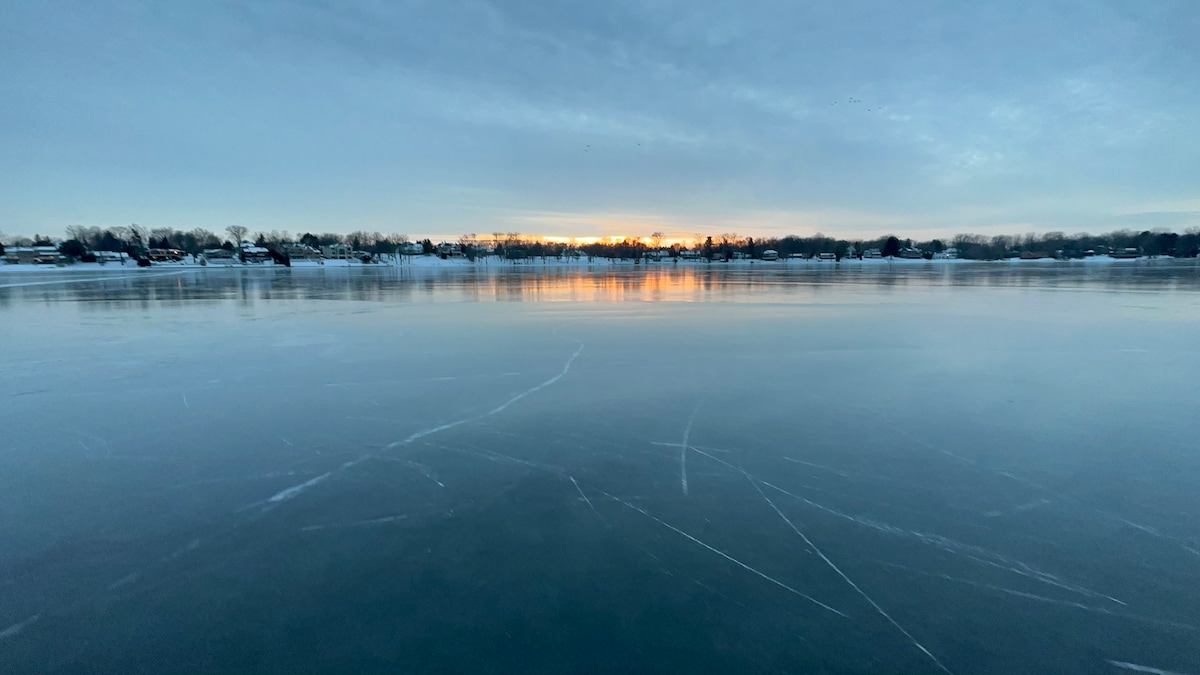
[(291, 492), (358, 523), (18, 627), (847, 579), (585, 497), (1143, 669), (725, 555), (683, 448), (1039, 598), (944, 543)]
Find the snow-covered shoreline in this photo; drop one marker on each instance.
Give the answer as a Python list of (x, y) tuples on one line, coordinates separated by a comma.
[(434, 262)]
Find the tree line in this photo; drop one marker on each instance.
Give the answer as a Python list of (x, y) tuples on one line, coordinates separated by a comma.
[(135, 240), (966, 246)]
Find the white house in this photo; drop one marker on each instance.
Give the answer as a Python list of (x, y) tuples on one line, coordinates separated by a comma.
[(337, 252)]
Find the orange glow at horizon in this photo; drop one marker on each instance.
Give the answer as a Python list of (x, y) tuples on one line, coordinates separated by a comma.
[(666, 242)]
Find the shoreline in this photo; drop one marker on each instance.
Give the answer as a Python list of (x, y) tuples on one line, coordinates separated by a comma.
[(435, 263)]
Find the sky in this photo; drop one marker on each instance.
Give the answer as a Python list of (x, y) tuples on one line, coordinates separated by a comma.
[(440, 118)]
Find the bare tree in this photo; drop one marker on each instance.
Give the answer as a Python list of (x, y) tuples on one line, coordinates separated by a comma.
[(276, 238), (205, 239), (657, 239), (237, 233)]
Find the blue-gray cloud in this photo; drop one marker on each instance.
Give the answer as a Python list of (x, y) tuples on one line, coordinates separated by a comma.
[(444, 117)]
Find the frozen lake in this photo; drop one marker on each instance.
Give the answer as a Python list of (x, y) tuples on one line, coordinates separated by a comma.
[(916, 469)]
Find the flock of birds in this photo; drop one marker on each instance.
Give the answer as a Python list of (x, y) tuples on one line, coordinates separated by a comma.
[(853, 100)]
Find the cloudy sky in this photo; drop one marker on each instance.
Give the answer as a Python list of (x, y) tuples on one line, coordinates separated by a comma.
[(580, 118)]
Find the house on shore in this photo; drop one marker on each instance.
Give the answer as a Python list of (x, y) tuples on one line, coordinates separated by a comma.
[(448, 250), (254, 254), (337, 252), (300, 252), (105, 257), (217, 256), (32, 255), (165, 255)]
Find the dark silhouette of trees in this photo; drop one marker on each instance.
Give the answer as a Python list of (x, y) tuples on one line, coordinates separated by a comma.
[(73, 248), (135, 239), (109, 242)]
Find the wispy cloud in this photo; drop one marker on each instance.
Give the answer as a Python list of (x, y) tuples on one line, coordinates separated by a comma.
[(453, 116)]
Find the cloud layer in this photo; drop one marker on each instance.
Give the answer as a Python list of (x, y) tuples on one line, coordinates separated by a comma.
[(567, 118)]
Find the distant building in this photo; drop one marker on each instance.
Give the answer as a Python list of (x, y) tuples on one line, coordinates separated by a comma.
[(872, 253), (1127, 252), (300, 251), (254, 254), (770, 254), (218, 256), (104, 257), (337, 252), (448, 250), (411, 248), (851, 252), (165, 255), (910, 253), (31, 255), (827, 256)]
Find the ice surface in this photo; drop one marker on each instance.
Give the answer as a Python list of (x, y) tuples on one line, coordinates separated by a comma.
[(922, 468)]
